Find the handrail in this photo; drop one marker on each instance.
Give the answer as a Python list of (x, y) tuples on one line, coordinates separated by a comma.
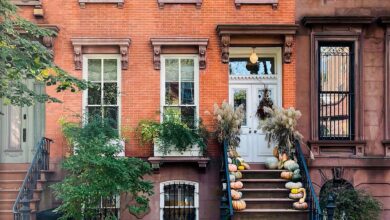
[(26, 191), (226, 176), (314, 204)]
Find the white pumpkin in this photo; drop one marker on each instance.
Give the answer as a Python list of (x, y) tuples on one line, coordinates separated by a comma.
[(271, 163), (292, 185)]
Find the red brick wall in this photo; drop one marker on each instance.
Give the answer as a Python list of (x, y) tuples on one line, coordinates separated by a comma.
[(141, 20)]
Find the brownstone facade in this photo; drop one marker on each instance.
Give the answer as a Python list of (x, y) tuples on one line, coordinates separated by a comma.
[(364, 160)]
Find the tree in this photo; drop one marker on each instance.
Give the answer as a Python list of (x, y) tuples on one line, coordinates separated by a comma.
[(23, 58), (95, 171)]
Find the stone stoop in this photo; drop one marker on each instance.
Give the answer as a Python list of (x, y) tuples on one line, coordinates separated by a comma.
[(11, 179), (266, 197)]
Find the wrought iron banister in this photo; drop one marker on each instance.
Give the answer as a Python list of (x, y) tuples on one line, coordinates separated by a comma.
[(226, 200), (26, 192), (312, 199)]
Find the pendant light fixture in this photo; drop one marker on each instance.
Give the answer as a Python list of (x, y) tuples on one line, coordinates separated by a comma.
[(253, 58)]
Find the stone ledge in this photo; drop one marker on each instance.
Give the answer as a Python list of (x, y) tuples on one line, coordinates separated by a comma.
[(350, 162), (330, 148), (27, 2), (161, 3), (159, 161), (273, 3), (118, 2)]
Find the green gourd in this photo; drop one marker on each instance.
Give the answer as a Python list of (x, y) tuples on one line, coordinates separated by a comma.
[(293, 167)]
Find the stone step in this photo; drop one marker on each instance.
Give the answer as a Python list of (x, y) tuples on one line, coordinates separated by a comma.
[(7, 204), (13, 193), (9, 215), (257, 166), (271, 214), (14, 166), (261, 174), (265, 193), (268, 203), (263, 183), (12, 174), (16, 184)]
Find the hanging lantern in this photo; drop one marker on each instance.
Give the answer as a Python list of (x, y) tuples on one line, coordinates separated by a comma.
[(253, 58), (252, 66)]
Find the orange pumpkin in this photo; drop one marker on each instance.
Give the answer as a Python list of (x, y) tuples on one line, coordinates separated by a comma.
[(235, 194), (238, 205), (236, 185), (275, 152), (286, 175), (232, 168), (300, 206)]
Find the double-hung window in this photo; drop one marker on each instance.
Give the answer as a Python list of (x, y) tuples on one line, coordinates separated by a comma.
[(336, 91), (103, 100), (179, 88)]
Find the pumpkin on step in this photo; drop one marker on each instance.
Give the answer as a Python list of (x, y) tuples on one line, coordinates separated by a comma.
[(235, 194), (275, 152), (232, 168), (292, 185), (238, 175), (271, 163), (232, 177), (236, 185), (239, 205), (229, 160), (293, 167), (288, 163), (295, 195), (300, 206), (246, 166), (296, 176), (286, 175)]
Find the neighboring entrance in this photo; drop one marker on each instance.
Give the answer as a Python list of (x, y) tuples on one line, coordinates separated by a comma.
[(247, 89)]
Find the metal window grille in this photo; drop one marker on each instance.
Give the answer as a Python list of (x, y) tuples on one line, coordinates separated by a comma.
[(179, 202), (336, 91), (108, 208)]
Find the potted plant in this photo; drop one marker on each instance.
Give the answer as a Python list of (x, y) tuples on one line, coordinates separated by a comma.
[(172, 137), (228, 122), (280, 128)]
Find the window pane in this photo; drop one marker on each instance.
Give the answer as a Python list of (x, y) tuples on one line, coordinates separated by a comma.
[(237, 66), (187, 70), (110, 69), (187, 93), (171, 93), (188, 116), (266, 65), (110, 93), (94, 69), (94, 94), (172, 70), (111, 113), (240, 99), (171, 113), (94, 112), (15, 125)]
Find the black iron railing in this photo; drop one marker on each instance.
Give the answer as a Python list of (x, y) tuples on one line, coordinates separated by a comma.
[(21, 208), (179, 201), (226, 199), (312, 199)]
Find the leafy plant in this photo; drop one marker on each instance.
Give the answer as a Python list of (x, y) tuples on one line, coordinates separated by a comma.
[(23, 58), (95, 171), (280, 128), (351, 204), (228, 122), (172, 134)]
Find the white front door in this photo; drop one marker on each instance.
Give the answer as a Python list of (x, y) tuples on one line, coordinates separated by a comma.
[(247, 89)]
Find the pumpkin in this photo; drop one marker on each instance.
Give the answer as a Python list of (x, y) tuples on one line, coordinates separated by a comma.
[(233, 153), (235, 194), (229, 160), (232, 177), (271, 163), (300, 191), (288, 163), (275, 152), (300, 206), (292, 185), (286, 175), (238, 175), (239, 205), (296, 177), (241, 168), (283, 157), (295, 195), (232, 168), (293, 167), (236, 185), (247, 167)]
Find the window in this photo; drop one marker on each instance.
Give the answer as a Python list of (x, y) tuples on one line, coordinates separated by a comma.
[(179, 200), (179, 88), (15, 128), (336, 91), (103, 99)]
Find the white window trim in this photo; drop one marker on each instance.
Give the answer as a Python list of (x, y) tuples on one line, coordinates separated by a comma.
[(196, 195), (196, 82), (119, 82)]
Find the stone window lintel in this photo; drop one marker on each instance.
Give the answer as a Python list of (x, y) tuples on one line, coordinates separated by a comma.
[(273, 3), (118, 2), (198, 3)]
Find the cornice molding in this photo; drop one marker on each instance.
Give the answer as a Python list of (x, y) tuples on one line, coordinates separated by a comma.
[(337, 20)]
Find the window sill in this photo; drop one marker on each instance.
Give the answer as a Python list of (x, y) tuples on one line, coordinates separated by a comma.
[(157, 161), (118, 2), (331, 148), (27, 3), (273, 3), (161, 3)]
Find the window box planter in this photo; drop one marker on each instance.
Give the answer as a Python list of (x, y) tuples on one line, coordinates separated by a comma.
[(194, 151)]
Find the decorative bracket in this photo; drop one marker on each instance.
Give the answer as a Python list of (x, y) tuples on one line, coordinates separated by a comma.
[(159, 43), (122, 43), (225, 44), (288, 48), (48, 41), (161, 3)]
